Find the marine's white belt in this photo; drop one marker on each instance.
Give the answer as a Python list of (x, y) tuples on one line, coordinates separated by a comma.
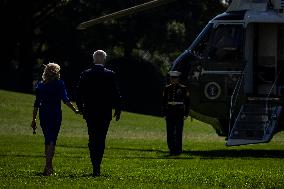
[(175, 103)]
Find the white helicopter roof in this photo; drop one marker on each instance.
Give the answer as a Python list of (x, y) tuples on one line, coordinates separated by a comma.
[(257, 5), (253, 11), (269, 16)]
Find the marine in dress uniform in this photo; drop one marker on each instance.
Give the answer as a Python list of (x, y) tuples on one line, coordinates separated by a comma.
[(176, 101), (97, 96)]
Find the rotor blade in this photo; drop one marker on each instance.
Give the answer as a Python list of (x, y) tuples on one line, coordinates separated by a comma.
[(124, 12)]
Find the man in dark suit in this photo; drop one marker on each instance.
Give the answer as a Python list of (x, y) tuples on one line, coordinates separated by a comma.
[(97, 96)]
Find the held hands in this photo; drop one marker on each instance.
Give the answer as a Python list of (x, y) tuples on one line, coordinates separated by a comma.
[(33, 125), (73, 108), (78, 112)]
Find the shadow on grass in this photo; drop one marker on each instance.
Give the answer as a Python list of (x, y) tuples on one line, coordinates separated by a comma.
[(138, 150), (21, 155), (73, 175), (70, 146), (209, 154), (36, 156), (213, 154), (160, 154), (64, 175)]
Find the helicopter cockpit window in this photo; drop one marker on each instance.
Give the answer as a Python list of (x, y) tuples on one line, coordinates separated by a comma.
[(226, 43), (200, 44)]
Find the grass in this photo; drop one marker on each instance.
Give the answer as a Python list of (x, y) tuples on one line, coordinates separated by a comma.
[(135, 156)]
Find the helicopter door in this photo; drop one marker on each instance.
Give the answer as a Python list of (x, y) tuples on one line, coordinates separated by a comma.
[(224, 61), (266, 58)]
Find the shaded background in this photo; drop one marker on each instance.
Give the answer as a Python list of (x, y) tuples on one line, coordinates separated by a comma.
[(140, 47)]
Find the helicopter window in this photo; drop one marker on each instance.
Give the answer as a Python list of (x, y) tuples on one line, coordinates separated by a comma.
[(225, 43), (199, 45)]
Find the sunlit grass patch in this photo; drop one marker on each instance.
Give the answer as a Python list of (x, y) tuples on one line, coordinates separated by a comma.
[(136, 154)]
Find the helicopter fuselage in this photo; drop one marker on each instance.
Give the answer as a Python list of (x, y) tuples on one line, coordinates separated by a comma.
[(239, 54)]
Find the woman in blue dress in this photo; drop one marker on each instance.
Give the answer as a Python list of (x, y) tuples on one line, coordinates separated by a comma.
[(49, 93)]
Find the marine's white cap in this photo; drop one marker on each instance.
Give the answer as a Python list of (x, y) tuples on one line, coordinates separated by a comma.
[(174, 73)]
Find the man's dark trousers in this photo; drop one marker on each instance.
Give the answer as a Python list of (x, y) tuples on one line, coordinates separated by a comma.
[(97, 130)]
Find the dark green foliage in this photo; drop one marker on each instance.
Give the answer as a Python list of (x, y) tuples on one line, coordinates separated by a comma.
[(141, 85), (37, 32)]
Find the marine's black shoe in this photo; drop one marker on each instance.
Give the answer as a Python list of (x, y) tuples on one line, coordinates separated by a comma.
[(96, 171), (175, 153)]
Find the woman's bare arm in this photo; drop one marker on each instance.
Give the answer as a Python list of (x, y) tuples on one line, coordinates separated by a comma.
[(72, 107)]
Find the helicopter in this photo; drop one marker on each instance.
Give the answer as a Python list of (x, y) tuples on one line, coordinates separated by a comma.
[(234, 68)]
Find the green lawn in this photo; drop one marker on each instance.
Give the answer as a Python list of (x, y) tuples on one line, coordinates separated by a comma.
[(135, 156)]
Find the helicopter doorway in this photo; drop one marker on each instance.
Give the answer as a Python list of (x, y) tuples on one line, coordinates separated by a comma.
[(268, 59), (258, 117)]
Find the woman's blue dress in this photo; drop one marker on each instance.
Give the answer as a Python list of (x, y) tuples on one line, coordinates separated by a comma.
[(48, 100)]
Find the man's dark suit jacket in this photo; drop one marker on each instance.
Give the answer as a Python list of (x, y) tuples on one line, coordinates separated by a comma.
[(97, 93)]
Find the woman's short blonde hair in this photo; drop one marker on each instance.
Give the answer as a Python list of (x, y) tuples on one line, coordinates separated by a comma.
[(51, 72)]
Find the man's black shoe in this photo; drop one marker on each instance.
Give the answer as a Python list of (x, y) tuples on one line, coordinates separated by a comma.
[(96, 171), (96, 174)]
